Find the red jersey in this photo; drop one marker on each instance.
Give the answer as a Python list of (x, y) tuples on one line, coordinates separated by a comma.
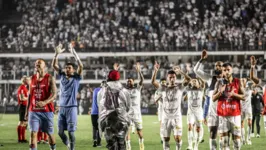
[(40, 91), (22, 90), (228, 106)]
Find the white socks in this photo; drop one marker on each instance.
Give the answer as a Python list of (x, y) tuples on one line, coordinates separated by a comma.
[(249, 132), (128, 145), (178, 145), (201, 133), (213, 144), (190, 139), (224, 143), (166, 145), (237, 144), (243, 134), (197, 140)]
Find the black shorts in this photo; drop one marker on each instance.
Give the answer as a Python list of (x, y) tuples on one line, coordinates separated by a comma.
[(22, 111)]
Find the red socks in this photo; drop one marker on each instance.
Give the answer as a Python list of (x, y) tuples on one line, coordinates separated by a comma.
[(39, 136), (19, 131), (23, 135), (45, 136)]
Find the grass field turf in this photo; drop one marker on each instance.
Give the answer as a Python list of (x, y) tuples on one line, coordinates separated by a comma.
[(8, 136)]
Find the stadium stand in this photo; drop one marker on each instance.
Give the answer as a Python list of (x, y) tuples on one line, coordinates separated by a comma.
[(138, 25)]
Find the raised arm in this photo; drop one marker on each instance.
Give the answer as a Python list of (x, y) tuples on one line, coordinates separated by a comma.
[(74, 53), (179, 71), (197, 68), (139, 74), (59, 49), (202, 83), (157, 96), (153, 79), (252, 70), (52, 96)]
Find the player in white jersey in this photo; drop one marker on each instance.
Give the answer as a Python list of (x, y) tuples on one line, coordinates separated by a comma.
[(171, 105), (135, 98), (210, 114), (246, 111), (158, 101), (194, 96)]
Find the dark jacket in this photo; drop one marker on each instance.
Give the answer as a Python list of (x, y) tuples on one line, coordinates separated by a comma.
[(256, 100)]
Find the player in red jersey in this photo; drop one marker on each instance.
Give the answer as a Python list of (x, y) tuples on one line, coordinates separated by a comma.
[(22, 95), (42, 92), (228, 92)]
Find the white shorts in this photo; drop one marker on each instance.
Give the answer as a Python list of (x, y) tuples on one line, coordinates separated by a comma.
[(194, 118), (169, 125), (137, 121), (230, 123), (246, 115), (213, 121)]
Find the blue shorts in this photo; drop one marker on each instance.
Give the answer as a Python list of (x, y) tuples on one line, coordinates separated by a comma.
[(42, 120), (67, 118)]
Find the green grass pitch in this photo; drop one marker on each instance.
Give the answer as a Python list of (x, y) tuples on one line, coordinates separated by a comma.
[(8, 136)]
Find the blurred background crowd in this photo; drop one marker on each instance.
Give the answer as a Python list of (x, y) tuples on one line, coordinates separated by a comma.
[(137, 25)]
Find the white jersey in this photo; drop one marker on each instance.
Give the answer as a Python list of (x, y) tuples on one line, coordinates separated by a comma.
[(171, 102), (213, 106), (246, 105), (194, 98), (135, 99)]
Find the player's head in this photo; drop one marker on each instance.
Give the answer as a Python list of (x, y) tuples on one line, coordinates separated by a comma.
[(40, 65), (25, 80), (227, 70), (163, 81), (194, 83), (103, 83), (255, 89), (218, 68), (249, 85), (130, 82), (171, 77), (70, 68)]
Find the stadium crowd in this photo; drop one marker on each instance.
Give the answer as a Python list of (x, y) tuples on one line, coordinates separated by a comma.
[(137, 25)]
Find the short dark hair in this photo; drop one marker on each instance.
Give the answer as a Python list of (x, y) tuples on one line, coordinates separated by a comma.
[(103, 83), (130, 78), (227, 64), (162, 79), (71, 64), (171, 72)]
